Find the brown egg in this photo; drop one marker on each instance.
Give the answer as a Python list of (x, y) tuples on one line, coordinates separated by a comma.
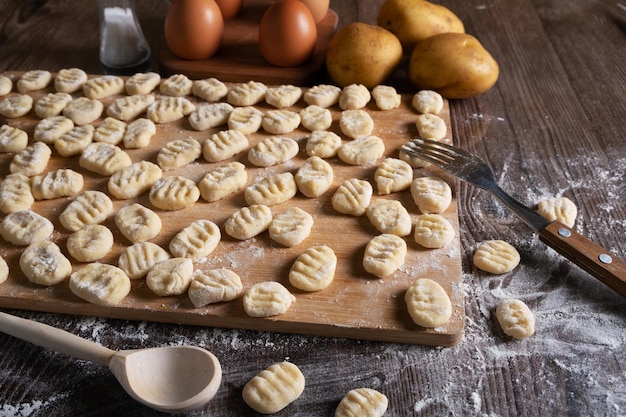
[(229, 8), (194, 28), (287, 33), (318, 8)]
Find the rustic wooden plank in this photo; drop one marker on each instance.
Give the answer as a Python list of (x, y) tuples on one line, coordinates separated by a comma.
[(355, 306)]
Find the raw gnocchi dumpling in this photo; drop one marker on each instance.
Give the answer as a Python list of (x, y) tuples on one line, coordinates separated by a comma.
[(129, 107), (562, 209), (104, 158), (32, 160), (431, 194), (362, 402), (90, 207), (283, 96), (266, 299), (384, 254), (136, 260), (433, 231), (316, 118), (354, 96), (323, 95), (323, 144), (515, 318), (110, 131), (356, 123), (224, 144), (138, 223), (209, 89), (280, 121), (50, 129), (273, 150), (12, 139), (427, 101), (214, 286), (272, 190), (314, 177), (178, 153), (431, 126), (496, 257), (247, 222), (100, 284), (70, 80), (314, 269), (362, 151), (43, 263), (170, 277), (386, 97), (24, 227), (103, 86), (138, 133), (389, 216), (210, 115), (196, 241), (393, 175), (223, 181), (274, 388), (134, 180), (291, 227), (353, 197), (91, 243), (142, 83), (15, 193), (169, 109), (56, 184), (428, 303), (33, 80), (246, 120), (173, 193), (247, 94)]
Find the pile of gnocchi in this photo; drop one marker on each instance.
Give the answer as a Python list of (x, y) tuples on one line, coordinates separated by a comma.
[(98, 122)]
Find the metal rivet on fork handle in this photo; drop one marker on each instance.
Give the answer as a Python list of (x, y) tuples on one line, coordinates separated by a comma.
[(605, 258), (564, 232)]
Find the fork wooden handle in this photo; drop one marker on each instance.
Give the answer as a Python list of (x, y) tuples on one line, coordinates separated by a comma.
[(606, 267)]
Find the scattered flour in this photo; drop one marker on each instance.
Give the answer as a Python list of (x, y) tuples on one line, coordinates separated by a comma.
[(29, 409)]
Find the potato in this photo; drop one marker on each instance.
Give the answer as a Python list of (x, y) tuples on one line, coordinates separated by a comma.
[(362, 54), (415, 20), (456, 65)]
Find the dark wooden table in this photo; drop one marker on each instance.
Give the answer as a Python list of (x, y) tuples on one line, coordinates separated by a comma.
[(552, 126)]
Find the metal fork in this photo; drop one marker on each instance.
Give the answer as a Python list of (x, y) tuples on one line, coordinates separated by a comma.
[(583, 252)]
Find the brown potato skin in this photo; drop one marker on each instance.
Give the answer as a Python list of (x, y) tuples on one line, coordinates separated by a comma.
[(456, 65), (415, 20), (362, 54)]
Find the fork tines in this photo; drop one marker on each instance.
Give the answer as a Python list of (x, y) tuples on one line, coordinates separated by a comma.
[(429, 150)]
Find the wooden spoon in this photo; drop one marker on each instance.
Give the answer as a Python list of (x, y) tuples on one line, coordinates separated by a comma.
[(171, 379)]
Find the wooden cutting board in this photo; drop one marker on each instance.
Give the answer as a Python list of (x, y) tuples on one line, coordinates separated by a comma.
[(356, 304), (239, 58)]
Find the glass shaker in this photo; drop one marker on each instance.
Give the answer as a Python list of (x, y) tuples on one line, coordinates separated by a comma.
[(123, 48)]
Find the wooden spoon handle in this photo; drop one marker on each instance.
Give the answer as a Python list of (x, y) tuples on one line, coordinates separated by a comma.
[(599, 262), (55, 339)]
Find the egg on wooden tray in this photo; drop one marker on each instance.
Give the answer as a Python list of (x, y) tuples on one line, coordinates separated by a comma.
[(287, 33), (194, 28)]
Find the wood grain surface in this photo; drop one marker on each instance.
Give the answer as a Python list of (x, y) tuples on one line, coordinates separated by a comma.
[(553, 125)]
